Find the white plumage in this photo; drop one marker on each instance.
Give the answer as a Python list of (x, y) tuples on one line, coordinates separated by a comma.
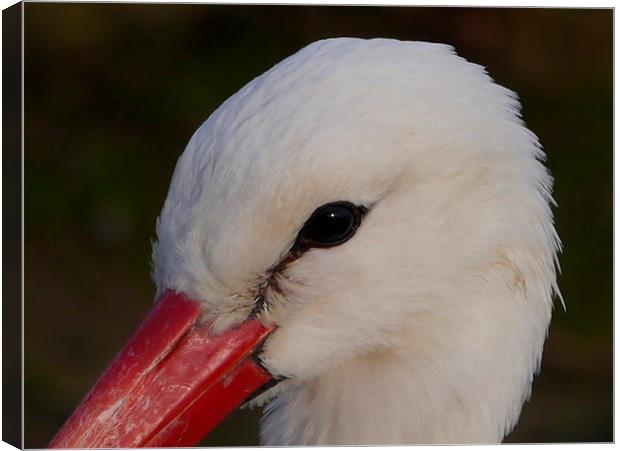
[(428, 325)]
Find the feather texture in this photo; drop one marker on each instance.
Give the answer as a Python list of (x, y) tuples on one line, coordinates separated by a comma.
[(428, 325)]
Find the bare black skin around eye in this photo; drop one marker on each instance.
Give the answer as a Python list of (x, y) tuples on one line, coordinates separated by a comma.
[(330, 225)]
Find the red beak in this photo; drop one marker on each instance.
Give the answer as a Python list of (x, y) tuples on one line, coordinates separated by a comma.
[(171, 384)]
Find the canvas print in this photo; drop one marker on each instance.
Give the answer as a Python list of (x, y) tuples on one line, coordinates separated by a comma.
[(316, 225)]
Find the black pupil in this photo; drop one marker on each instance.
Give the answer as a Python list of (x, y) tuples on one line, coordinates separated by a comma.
[(330, 224)]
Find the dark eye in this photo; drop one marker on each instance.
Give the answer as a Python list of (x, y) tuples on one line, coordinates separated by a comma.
[(330, 225)]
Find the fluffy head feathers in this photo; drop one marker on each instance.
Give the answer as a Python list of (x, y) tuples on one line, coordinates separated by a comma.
[(440, 302)]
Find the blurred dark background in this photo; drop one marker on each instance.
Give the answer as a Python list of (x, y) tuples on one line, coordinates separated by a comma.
[(114, 92)]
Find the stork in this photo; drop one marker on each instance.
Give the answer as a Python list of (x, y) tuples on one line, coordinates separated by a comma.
[(360, 240)]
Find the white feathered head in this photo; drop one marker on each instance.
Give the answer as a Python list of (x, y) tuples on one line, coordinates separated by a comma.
[(446, 272)]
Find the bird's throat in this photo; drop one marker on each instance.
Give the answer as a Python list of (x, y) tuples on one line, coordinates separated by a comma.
[(407, 397)]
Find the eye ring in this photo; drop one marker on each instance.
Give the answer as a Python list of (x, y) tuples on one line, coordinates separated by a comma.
[(330, 225)]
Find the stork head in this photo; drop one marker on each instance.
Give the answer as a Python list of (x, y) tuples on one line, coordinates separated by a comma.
[(371, 201)]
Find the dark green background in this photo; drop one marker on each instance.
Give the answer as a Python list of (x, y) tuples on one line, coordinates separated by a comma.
[(113, 93)]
